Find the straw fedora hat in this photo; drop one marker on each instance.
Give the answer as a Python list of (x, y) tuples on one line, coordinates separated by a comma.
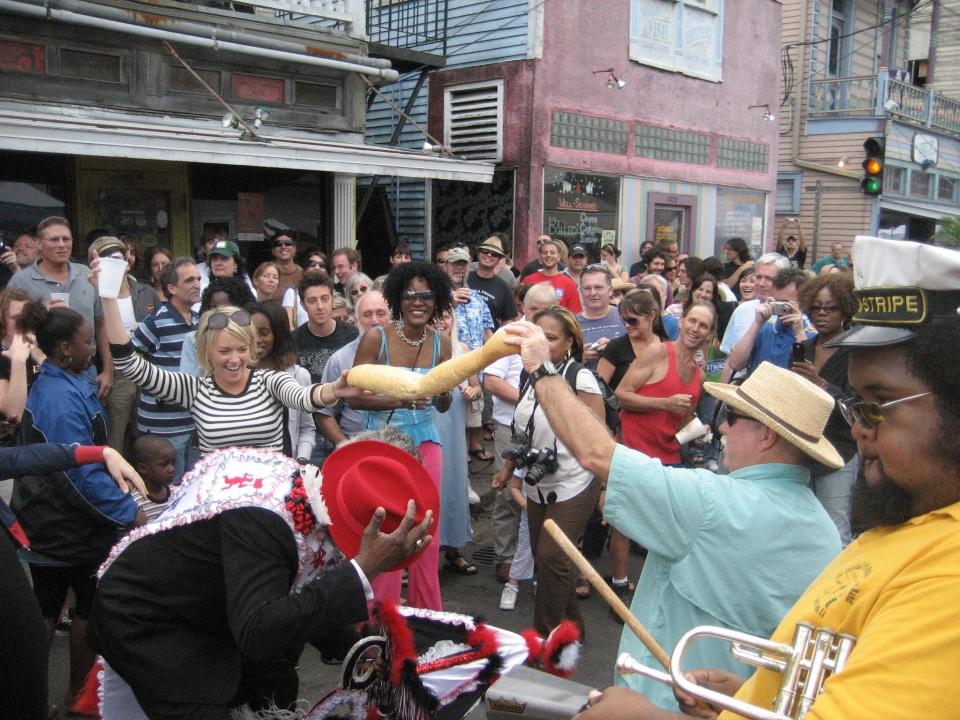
[(622, 285), (493, 244), (361, 476), (790, 405)]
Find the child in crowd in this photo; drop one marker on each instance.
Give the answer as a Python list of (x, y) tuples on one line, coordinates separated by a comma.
[(522, 566), (155, 459)]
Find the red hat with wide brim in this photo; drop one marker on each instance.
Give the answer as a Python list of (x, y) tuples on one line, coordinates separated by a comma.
[(364, 475)]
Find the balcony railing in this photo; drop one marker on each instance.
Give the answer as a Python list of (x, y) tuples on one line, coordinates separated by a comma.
[(349, 16), (878, 95), (843, 96), (413, 24)]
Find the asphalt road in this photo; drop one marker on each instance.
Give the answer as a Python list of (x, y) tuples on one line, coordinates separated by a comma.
[(477, 594)]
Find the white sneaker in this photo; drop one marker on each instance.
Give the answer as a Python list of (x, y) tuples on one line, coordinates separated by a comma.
[(472, 497), (508, 598)]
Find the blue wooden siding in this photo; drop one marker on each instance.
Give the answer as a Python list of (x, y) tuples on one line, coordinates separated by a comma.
[(479, 32)]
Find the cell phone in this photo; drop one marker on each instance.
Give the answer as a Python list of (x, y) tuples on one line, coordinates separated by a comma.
[(799, 353), (780, 308)]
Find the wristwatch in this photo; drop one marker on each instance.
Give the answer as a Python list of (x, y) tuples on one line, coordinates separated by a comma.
[(548, 368)]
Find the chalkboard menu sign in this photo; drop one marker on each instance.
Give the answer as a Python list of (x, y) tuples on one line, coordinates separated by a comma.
[(580, 207), (740, 213)]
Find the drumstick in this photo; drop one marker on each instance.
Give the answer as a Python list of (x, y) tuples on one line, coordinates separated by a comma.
[(606, 592)]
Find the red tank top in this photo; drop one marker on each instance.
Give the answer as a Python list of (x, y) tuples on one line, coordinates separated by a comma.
[(652, 433)]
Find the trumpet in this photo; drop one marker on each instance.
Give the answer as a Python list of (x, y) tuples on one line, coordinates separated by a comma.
[(815, 655)]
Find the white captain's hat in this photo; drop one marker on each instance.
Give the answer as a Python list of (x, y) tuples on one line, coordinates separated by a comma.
[(900, 286)]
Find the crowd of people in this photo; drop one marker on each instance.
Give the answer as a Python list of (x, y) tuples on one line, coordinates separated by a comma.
[(694, 410)]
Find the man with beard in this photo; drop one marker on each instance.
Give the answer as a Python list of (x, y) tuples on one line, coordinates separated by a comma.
[(895, 587)]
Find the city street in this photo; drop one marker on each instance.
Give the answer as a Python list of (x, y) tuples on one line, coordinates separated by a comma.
[(478, 594)]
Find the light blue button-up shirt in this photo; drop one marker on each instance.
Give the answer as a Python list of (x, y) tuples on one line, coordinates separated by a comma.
[(732, 550)]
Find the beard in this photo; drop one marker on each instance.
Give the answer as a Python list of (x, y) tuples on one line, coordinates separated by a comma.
[(881, 504)]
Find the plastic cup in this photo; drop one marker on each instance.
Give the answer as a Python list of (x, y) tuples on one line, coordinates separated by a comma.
[(112, 272), (61, 297), (691, 431)]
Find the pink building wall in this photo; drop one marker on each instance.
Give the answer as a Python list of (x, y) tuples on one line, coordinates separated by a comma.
[(582, 37)]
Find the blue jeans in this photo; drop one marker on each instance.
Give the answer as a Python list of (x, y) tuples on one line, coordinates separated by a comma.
[(186, 454), (834, 490)]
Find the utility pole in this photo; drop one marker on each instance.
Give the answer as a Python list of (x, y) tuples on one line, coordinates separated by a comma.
[(934, 28)]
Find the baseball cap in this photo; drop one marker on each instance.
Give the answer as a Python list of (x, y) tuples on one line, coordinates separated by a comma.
[(227, 248), (899, 286), (578, 250), (458, 254)]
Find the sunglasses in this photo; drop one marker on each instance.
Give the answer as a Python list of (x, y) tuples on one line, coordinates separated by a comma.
[(729, 416), (284, 243), (220, 320), (869, 414), (317, 264), (359, 290), (828, 309), (489, 252), (630, 321), (422, 296)]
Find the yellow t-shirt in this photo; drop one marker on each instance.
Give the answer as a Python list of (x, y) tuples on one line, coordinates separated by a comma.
[(897, 590)]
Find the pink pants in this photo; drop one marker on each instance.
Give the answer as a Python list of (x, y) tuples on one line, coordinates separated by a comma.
[(423, 590)]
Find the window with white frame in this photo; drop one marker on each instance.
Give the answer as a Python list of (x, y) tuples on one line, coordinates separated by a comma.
[(685, 36), (473, 120)]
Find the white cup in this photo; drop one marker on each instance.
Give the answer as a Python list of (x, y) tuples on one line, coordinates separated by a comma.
[(691, 431), (112, 272), (61, 297)]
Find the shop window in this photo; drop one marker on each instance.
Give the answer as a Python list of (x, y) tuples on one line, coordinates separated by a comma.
[(473, 120), (581, 207), (684, 36), (89, 65), (315, 95)]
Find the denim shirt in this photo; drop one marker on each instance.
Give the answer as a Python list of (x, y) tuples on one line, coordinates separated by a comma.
[(732, 550)]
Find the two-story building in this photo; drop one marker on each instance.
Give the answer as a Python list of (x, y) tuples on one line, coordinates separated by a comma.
[(161, 119), (860, 69), (623, 122)]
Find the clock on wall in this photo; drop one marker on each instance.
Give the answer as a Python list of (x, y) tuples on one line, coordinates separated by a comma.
[(925, 149)]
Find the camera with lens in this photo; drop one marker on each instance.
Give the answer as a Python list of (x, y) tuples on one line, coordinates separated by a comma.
[(537, 461)]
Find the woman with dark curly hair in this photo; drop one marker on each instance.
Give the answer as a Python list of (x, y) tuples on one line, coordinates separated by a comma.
[(829, 303), (417, 293)]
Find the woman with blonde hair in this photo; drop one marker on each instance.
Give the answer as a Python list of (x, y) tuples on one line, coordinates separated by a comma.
[(235, 404)]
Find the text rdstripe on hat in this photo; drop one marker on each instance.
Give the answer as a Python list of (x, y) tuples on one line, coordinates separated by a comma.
[(891, 306), (773, 416)]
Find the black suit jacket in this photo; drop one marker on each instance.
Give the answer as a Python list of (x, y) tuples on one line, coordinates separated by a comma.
[(180, 614)]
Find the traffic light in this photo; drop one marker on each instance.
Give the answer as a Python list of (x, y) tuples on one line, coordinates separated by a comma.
[(872, 182)]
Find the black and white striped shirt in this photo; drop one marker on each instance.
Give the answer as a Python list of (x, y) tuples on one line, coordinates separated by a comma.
[(253, 418)]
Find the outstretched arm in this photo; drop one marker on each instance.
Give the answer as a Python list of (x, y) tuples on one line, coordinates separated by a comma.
[(575, 424)]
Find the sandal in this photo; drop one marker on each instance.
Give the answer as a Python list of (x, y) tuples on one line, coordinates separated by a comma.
[(481, 454), (583, 588), (457, 563)]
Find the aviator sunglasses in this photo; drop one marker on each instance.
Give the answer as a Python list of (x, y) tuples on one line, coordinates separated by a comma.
[(870, 414), (219, 320)]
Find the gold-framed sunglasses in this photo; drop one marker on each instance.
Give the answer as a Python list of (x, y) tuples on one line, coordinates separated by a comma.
[(870, 414)]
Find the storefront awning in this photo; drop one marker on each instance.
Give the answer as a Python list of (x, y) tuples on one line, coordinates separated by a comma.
[(72, 133)]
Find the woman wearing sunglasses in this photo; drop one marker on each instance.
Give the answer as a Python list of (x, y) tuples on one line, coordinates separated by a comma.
[(417, 294), (829, 303), (235, 404)]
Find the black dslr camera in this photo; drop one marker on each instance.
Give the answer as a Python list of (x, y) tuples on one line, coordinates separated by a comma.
[(538, 462)]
